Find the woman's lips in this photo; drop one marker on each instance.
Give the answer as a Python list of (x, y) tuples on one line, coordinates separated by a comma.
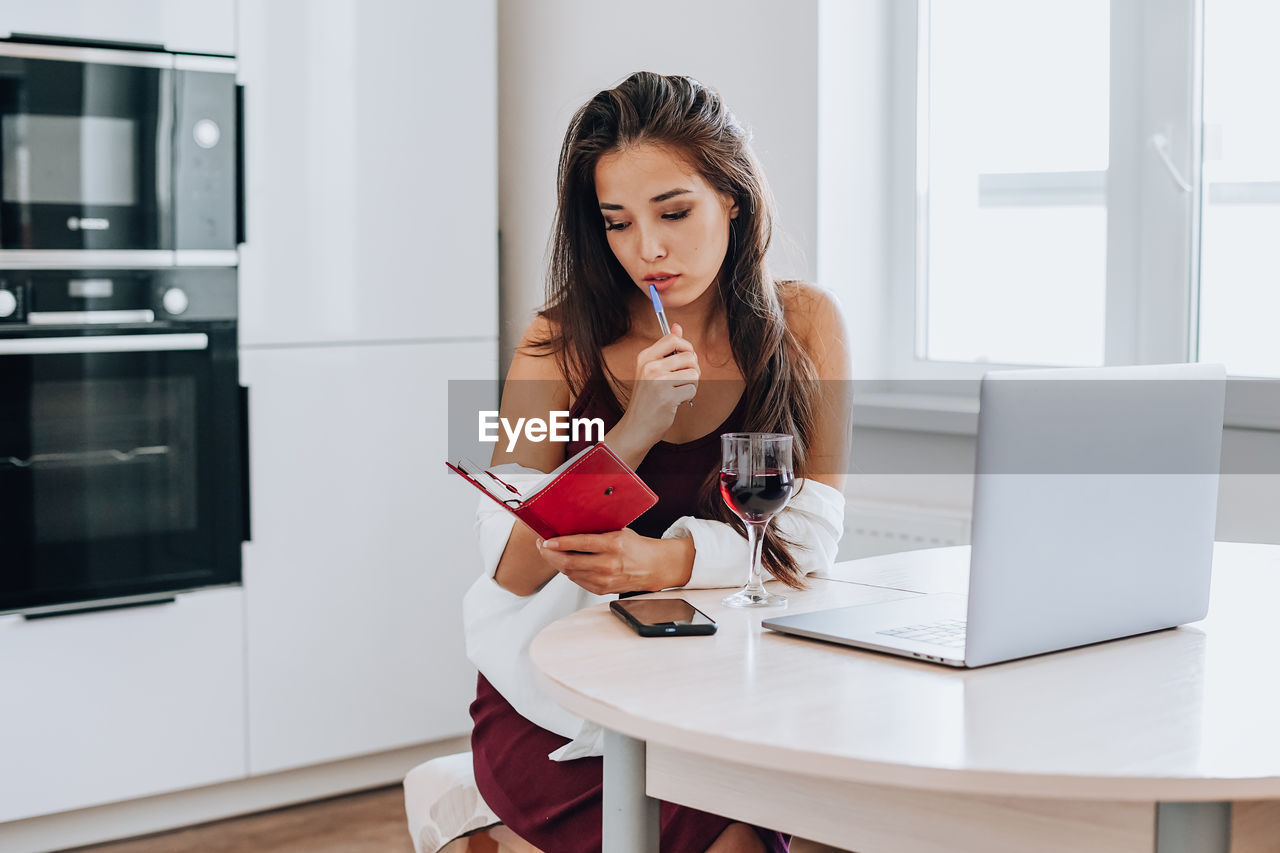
[(662, 281)]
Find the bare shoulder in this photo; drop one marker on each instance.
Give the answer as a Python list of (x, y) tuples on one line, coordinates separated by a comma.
[(535, 387), (535, 383), (815, 318), (534, 357)]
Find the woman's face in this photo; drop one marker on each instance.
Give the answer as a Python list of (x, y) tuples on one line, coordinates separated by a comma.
[(664, 222)]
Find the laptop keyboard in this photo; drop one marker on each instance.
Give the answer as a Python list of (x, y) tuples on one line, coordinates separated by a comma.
[(947, 632)]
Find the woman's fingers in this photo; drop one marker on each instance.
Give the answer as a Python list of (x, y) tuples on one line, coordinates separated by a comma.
[(665, 347), (685, 392), (607, 562), (598, 573), (680, 377), (662, 368), (669, 381), (592, 561), (577, 542), (666, 377)]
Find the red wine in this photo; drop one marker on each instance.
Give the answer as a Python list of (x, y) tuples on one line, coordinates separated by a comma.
[(756, 498)]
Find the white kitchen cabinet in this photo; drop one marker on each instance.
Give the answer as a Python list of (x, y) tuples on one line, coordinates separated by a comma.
[(362, 546), (371, 170), (117, 704), (194, 26)]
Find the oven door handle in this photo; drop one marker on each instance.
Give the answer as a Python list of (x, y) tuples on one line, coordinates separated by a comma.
[(81, 318), (104, 343)]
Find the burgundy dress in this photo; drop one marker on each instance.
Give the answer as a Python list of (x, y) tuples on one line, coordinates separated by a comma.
[(556, 806)]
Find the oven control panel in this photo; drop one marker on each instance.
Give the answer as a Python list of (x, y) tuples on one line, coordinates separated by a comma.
[(11, 302), (178, 296)]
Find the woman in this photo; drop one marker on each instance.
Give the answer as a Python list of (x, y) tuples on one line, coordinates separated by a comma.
[(657, 185)]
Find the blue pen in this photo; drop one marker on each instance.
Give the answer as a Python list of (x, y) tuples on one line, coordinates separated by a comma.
[(657, 307), (662, 314)]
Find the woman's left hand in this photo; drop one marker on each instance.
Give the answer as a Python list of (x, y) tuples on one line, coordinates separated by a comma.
[(623, 561)]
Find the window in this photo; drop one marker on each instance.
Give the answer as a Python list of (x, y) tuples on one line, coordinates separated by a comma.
[(1092, 185), (1014, 233), (1240, 212)]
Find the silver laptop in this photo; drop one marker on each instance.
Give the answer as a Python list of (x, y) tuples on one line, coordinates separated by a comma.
[(1094, 508)]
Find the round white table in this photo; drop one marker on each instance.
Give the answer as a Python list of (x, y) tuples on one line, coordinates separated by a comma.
[(1168, 741)]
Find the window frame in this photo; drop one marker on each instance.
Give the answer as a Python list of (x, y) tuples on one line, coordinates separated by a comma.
[(1152, 223)]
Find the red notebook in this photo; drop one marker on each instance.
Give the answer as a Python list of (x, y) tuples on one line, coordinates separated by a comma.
[(594, 492)]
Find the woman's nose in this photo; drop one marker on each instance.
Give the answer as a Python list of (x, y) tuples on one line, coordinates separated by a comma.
[(651, 247)]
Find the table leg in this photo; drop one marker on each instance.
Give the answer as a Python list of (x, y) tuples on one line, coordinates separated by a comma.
[(1193, 827), (630, 817)]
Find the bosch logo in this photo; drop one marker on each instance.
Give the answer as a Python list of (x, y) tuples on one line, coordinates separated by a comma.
[(88, 223)]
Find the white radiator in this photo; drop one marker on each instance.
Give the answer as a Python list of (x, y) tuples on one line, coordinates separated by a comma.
[(878, 527)]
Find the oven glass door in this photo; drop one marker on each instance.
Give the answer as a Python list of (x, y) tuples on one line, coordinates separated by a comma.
[(120, 465), (85, 147)]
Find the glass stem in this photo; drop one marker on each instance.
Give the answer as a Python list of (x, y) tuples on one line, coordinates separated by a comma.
[(755, 541)]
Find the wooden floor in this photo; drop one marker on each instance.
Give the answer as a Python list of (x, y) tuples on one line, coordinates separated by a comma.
[(369, 822), (374, 822)]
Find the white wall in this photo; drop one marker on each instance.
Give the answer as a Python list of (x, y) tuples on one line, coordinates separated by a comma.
[(553, 55), (854, 120)]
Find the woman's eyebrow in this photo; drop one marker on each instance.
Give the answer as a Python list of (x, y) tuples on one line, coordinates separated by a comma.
[(669, 194)]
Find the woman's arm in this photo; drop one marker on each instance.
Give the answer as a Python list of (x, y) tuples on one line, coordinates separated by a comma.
[(533, 389), (817, 323), (607, 562), (666, 375), (814, 520)]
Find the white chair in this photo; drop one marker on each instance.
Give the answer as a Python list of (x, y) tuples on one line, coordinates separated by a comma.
[(447, 814)]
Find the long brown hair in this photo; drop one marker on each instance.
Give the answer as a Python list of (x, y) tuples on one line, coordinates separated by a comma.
[(588, 291)]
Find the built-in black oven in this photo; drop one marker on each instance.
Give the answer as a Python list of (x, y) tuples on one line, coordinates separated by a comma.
[(132, 155), (123, 449)]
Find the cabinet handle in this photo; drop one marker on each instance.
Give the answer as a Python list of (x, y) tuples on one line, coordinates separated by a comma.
[(240, 146), (246, 531), (39, 46), (97, 606)]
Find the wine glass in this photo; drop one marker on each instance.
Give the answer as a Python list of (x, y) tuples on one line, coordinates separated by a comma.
[(755, 481)]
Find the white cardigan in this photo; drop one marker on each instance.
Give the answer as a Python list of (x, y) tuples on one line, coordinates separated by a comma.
[(500, 625)]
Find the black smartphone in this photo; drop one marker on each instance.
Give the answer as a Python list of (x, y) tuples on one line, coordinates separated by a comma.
[(663, 617)]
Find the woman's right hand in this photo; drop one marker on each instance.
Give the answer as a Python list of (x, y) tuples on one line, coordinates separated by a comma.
[(667, 376)]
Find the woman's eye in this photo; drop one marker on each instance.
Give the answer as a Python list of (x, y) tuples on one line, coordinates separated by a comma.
[(680, 214), (614, 226)]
